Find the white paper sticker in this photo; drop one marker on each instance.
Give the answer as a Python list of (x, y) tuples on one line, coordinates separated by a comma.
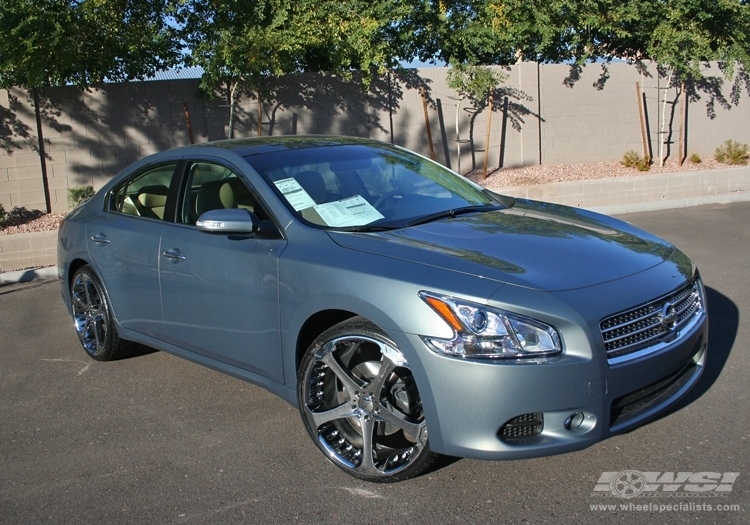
[(354, 211), (294, 194)]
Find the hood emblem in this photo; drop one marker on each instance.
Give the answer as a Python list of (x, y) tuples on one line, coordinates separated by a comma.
[(668, 317)]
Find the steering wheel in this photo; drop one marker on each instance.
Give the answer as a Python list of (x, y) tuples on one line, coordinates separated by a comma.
[(387, 196)]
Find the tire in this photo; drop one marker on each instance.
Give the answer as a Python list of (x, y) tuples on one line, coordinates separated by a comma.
[(93, 318), (360, 404)]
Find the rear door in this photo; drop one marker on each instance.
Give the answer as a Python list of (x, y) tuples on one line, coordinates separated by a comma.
[(123, 242)]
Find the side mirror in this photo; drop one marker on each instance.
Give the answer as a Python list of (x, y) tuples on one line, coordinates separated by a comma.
[(235, 221), (227, 221)]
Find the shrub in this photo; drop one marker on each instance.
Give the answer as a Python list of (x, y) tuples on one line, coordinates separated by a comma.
[(3, 215), (695, 158), (632, 160), (79, 194), (732, 152)]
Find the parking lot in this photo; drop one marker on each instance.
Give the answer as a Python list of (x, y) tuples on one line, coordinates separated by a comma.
[(155, 439)]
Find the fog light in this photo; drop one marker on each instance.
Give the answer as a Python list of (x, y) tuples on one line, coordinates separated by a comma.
[(574, 420)]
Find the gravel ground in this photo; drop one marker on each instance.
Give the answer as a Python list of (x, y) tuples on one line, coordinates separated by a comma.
[(26, 221), (546, 173), (32, 221)]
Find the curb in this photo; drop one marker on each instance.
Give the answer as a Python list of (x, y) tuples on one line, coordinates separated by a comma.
[(24, 276), (674, 203)]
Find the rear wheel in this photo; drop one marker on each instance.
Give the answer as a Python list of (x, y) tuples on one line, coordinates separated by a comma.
[(93, 318), (361, 406)]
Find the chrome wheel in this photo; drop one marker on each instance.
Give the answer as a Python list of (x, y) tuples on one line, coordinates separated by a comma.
[(360, 404), (92, 318)]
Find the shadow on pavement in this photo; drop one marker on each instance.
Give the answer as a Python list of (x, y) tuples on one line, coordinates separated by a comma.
[(723, 323)]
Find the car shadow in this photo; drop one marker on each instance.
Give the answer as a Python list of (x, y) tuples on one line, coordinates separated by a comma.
[(138, 350), (723, 324)]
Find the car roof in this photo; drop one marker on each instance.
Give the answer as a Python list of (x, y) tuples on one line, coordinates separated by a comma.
[(259, 145)]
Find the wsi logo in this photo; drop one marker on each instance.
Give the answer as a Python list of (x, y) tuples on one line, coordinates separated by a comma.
[(633, 483)]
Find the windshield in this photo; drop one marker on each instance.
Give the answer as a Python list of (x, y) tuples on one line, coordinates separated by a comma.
[(356, 185)]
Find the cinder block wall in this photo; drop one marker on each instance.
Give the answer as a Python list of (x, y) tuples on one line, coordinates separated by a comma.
[(551, 118)]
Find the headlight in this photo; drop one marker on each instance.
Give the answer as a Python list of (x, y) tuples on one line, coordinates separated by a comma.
[(485, 332)]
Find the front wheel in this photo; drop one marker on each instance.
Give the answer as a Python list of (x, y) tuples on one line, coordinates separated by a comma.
[(360, 404), (93, 318)]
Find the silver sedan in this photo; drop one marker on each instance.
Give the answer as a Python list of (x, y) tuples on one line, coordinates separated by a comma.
[(406, 311)]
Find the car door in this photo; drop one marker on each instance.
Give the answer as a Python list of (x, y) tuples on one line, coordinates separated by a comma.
[(123, 243), (220, 292)]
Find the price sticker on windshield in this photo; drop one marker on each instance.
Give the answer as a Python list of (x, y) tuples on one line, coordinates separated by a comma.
[(295, 194)]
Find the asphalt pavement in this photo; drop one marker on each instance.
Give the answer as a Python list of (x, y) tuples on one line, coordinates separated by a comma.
[(156, 439)]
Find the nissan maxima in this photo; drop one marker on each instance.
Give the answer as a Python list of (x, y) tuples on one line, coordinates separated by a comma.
[(406, 311)]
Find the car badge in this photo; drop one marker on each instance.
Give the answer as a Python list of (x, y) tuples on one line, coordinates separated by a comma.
[(668, 317)]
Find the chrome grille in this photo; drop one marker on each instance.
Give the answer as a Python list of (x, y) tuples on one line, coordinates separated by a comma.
[(651, 323)]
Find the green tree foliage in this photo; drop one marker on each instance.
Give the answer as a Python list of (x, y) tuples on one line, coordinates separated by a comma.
[(474, 82), (58, 42), (257, 38), (678, 34), (241, 44)]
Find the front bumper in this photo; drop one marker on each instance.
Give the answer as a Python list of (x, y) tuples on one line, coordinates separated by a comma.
[(468, 402)]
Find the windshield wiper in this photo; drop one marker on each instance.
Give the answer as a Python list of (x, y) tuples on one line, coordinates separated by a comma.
[(454, 213)]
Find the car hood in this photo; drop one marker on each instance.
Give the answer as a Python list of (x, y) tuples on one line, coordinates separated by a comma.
[(536, 245)]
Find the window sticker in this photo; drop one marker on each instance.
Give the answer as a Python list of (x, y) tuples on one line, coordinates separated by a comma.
[(354, 211), (294, 194)]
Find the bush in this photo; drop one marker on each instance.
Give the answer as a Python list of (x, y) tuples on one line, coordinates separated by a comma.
[(732, 152), (632, 160), (79, 194), (3, 215), (695, 158)]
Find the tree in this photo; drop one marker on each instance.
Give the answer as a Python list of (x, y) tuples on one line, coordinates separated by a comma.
[(475, 83), (679, 34), (242, 45), (59, 42)]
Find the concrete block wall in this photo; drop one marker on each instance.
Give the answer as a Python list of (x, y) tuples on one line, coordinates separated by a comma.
[(28, 250), (588, 121), (90, 135)]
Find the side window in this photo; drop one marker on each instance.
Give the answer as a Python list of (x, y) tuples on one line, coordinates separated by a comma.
[(145, 194), (213, 187)]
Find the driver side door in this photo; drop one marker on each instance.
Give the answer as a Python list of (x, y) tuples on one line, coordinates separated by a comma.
[(220, 292)]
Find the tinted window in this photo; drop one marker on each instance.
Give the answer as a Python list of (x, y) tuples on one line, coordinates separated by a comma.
[(212, 187), (145, 194)]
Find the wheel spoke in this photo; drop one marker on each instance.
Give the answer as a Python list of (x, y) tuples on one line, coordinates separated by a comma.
[(95, 326), (88, 293), (340, 412), (86, 326), (350, 383), (397, 420), (368, 426), (78, 301)]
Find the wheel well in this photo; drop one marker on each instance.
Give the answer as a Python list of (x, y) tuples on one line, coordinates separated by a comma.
[(316, 325), (73, 268)]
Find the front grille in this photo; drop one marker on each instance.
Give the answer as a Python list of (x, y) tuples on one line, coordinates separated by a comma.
[(651, 323), (522, 427)]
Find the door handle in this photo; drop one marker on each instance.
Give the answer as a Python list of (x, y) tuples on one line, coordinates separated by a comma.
[(100, 238), (174, 254)]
